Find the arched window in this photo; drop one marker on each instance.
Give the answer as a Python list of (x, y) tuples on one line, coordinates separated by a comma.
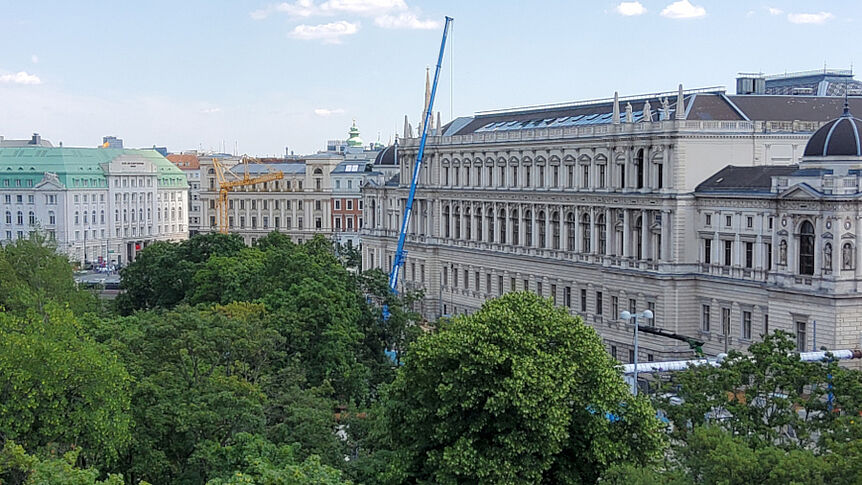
[(446, 221), (468, 224), (31, 218), (602, 233), (639, 229), (513, 218), (457, 223), (585, 233), (570, 230), (543, 238), (478, 223), (467, 174), (8, 217), (52, 218), (318, 171), (94, 217), (141, 215), (555, 230), (806, 248), (848, 261), (528, 228), (501, 221), (77, 218), (489, 218), (102, 217)]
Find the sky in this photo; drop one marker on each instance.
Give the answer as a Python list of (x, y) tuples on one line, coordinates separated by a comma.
[(257, 76)]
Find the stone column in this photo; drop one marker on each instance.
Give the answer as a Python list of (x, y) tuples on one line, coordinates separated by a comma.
[(645, 233), (594, 238), (858, 271), (627, 229), (521, 229), (665, 235), (533, 229), (548, 235), (818, 246), (577, 229), (564, 230), (609, 232)]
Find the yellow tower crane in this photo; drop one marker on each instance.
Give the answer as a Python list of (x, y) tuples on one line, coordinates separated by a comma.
[(227, 186)]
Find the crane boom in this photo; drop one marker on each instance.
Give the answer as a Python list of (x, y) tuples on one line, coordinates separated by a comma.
[(400, 253)]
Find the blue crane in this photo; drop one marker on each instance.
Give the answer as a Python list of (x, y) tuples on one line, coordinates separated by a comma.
[(400, 253)]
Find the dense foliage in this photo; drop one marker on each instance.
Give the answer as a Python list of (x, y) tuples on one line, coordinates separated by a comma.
[(226, 364)]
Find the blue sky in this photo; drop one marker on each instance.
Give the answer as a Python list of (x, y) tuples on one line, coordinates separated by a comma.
[(265, 75)]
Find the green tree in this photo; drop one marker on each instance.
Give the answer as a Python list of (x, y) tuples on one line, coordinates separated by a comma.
[(250, 459), (519, 392), (17, 467), (61, 389), (34, 274), (162, 274)]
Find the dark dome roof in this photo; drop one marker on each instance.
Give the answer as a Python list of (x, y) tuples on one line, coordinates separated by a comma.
[(386, 157), (839, 137)]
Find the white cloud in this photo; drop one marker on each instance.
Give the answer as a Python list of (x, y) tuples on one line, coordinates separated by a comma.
[(34, 59), (683, 9), (20, 78), (809, 18), (363, 7), (405, 21), (774, 11), (328, 112), (330, 33), (629, 9), (300, 8)]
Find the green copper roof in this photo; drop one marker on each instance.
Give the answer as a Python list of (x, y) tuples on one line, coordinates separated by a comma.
[(76, 167), (354, 140)]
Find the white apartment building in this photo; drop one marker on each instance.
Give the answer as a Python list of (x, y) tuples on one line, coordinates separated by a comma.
[(99, 205)]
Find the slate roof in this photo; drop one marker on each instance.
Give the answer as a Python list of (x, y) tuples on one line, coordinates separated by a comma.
[(745, 179)]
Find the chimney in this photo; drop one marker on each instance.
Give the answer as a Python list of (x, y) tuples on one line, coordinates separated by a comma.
[(36, 140)]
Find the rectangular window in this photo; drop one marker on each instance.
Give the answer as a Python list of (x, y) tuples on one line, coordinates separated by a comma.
[(499, 285), (586, 178), (749, 222), (725, 321), (539, 289), (614, 351), (349, 205), (633, 306), (512, 284), (707, 251), (765, 324), (704, 319), (769, 256), (651, 307), (728, 221), (800, 336), (599, 303), (454, 275), (476, 279), (728, 253), (526, 285), (554, 293), (708, 218), (631, 355), (567, 296), (746, 325), (749, 254), (488, 282), (770, 223), (602, 176), (583, 299), (337, 204), (445, 277), (422, 272), (467, 279), (615, 307)]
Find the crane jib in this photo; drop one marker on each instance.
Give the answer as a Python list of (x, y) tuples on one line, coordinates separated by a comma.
[(399, 252)]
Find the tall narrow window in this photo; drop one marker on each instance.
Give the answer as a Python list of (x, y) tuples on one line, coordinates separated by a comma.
[(801, 336), (806, 248), (639, 166), (513, 218), (585, 233), (707, 251), (601, 228)]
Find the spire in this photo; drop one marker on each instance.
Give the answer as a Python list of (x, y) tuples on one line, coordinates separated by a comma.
[(680, 105), (427, 95), (616, 117), (406, 132)]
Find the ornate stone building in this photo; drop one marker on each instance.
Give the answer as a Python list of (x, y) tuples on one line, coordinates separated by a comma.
[(614, 204), (100, 205)]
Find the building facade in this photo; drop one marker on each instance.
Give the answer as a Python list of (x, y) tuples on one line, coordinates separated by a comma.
[(190, 165), (594, 204), (100, 205)]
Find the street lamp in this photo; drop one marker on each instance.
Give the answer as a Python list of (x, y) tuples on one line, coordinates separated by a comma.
[(625, 315)]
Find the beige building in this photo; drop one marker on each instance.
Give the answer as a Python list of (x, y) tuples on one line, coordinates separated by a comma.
[(614, 204), (298, 205)]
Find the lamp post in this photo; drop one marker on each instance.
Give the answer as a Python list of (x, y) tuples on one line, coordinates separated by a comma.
[(625, 315)]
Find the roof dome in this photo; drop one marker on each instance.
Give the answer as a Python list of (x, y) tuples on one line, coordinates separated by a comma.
[(354, 140), (839, 137)]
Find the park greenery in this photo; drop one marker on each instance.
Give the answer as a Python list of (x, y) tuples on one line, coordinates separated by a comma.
[(226, 364)]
